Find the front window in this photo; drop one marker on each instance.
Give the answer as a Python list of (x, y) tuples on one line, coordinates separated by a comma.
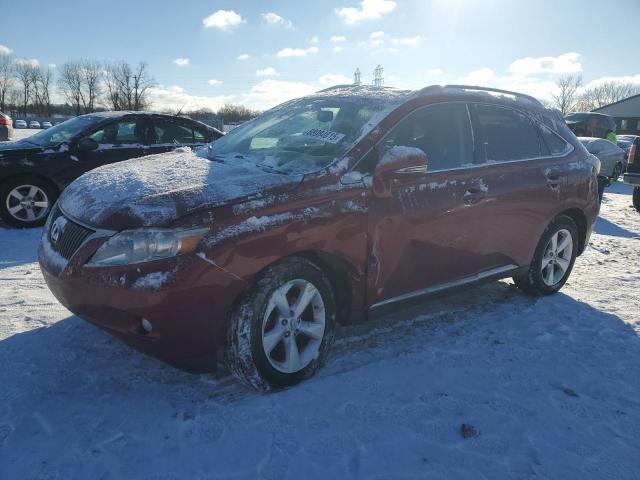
[(63, 131), (302, 136)]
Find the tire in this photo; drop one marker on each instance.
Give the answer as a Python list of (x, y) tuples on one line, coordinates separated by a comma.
[(257, 326), (37, 196), (557, 268), (636, 198)]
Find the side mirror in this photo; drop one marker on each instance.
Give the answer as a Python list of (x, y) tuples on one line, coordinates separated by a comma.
[(87, 145), (397, 162)]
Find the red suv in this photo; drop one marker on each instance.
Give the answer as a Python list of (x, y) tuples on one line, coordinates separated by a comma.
[(321, 210)]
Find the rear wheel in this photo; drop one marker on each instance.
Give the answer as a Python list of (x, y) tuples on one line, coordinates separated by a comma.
[(636, 198), (553, 260), (26, 201), (283, 328)]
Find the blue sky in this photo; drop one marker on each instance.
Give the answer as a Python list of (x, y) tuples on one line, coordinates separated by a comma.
[(521, 45)]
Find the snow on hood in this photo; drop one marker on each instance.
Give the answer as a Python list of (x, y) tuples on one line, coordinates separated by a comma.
[(158, 189)]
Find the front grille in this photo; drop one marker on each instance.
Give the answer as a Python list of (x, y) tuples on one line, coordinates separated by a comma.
[(70, 234)]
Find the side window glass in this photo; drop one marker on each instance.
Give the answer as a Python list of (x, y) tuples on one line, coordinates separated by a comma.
[(199, 135), (506, 135), (556, 145), (442, 132), (167, 130), (122, 132)]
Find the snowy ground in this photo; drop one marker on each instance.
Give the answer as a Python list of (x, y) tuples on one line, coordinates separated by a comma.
[(20, 133), (551, 386)]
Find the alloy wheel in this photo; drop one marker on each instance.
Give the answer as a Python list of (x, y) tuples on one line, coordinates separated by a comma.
[(27, 203), (293, 326), (557, 257)]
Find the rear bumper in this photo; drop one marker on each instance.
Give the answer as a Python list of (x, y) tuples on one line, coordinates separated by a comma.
[(632, 178), (185, 298)]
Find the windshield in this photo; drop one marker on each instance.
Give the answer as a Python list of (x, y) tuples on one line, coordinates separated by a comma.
[(576, 117), (62, 132), (302, 136)]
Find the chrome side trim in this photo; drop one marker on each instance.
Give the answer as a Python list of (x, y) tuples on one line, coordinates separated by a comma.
[(412, 170), (456, 283)]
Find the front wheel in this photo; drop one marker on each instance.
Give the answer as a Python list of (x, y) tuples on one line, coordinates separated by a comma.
[(553, 260), (636, 198), (283, 328), (26, 201)]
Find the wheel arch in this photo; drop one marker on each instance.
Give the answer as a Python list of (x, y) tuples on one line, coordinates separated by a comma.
[(580, 219), (26, 175)]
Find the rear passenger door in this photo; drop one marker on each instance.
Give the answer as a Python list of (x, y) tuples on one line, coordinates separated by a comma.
[(523, 168), (169, 133)]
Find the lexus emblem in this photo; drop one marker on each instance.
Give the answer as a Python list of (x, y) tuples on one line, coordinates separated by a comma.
[(55, 232)]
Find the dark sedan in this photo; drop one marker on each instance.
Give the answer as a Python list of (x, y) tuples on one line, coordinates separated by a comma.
[(35, 170)]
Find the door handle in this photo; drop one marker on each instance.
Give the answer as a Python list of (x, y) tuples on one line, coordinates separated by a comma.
[(554, 179), (473, 196)]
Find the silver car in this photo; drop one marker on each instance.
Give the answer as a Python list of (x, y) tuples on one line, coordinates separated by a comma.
[(612, 157), (20, 124)]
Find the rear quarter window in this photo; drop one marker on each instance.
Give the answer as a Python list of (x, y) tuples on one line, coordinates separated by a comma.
[(554, 143)]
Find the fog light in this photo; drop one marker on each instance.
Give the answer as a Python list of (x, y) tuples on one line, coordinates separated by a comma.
[(146, 325)]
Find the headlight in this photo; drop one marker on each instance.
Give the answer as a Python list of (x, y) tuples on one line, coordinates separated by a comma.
[(144, 245)]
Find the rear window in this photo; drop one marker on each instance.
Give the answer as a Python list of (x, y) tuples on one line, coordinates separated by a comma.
[(506, 134)]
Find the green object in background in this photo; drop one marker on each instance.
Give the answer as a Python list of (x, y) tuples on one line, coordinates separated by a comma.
[(611, 136)]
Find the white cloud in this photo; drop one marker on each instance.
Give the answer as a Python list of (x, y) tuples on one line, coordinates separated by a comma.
[(275, 19), (368, 10), (623, 79), (337, 49), (244, 56), (378, 34), (52, 65), (330, 79), (486, 77), (407, 41), (213, 82), (5, 50), (223, 19), (175, 98), (269, 93), (433, 71), (28, 61), (181, 62), (315, 39), (337, 39), (267, 72), (296, 52), (566, 63)]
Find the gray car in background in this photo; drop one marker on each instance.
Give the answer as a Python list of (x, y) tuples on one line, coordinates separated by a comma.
[(6, 127), (612, 158)]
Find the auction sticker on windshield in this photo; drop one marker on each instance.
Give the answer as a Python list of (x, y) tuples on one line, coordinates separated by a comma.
[(326, 135)]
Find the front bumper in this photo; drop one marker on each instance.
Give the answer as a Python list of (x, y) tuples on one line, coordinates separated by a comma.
[(186, 299), (632, 178)]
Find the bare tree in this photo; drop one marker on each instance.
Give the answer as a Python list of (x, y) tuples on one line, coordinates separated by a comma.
[(604, 93), (567, 96), (70, 82), (24, 75), (91, 78), (45, 77), (6, 78), (127, 88)]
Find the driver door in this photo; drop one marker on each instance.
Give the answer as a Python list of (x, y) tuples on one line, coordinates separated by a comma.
[(428, 230), (117, 141)]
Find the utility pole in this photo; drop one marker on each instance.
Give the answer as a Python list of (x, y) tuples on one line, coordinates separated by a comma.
[(377, 76), (356, 77)]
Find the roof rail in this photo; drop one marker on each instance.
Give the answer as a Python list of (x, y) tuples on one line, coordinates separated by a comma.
[(488, 89)]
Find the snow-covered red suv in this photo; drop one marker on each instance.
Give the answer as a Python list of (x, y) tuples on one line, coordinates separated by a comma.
[(321, 210)]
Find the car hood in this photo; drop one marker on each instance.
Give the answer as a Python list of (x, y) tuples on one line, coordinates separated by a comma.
[(17, 149), (158, 189)]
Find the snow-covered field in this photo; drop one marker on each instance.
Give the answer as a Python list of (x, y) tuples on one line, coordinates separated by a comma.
[(548, 387), (20, 133)]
